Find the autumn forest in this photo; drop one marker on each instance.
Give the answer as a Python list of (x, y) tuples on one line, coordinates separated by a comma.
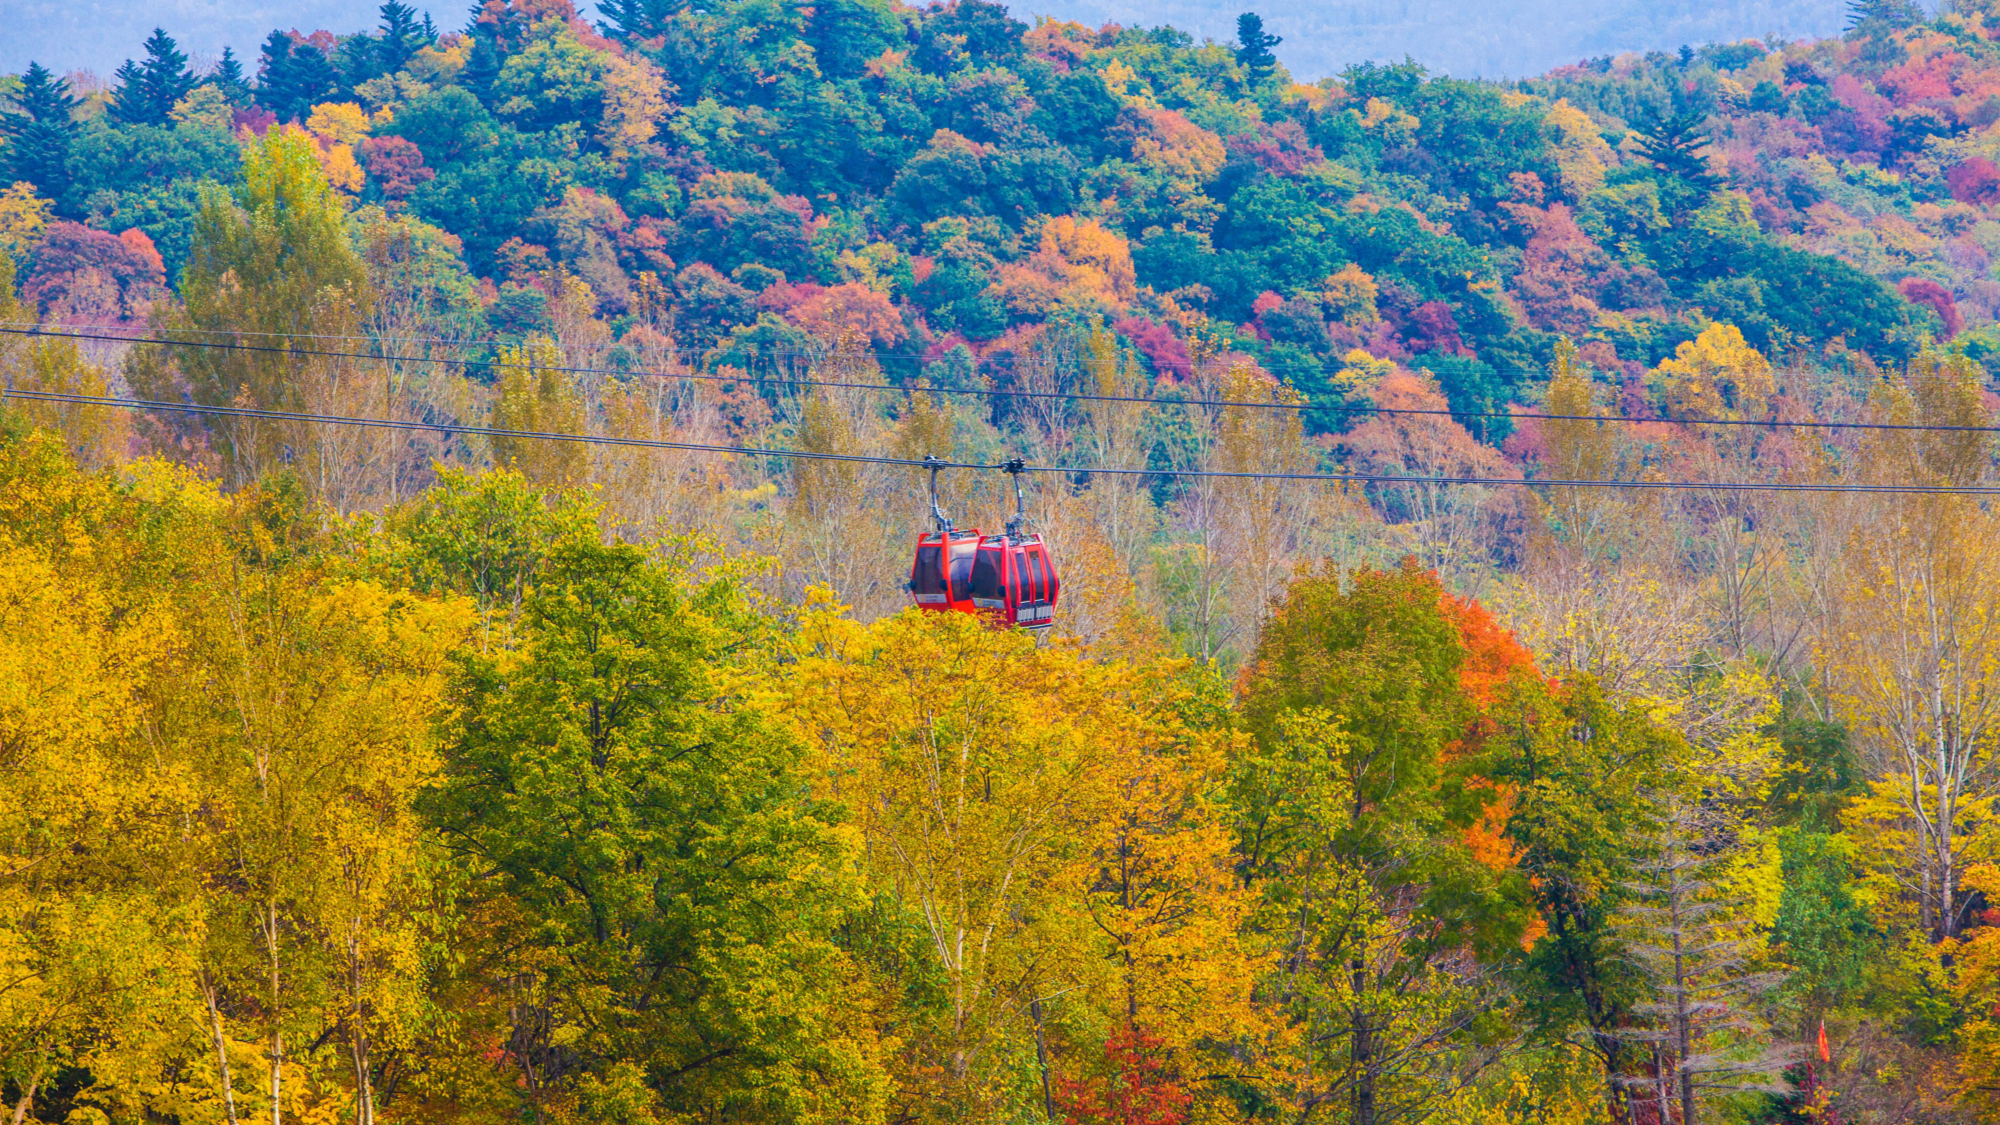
[(1528, 647)]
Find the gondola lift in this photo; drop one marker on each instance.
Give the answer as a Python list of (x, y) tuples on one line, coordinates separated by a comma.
[(1008, 579)]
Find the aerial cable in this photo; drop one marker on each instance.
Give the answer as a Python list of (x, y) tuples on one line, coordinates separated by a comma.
[(934, 464), (462, 430), (1068, 396)]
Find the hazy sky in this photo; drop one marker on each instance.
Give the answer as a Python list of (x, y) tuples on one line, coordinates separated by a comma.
[(1466, 37)]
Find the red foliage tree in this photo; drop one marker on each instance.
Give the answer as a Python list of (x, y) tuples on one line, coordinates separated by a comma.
[(82, 275), (1976, 181), (145, 255), (1433, 329), (1281, 150), (397, 165), (1923, 77), (522, 262), (254, 118), (1138, 1087), (1157, 342), (1559, 274), (1863, 126), (1923, 291), (848, 311)]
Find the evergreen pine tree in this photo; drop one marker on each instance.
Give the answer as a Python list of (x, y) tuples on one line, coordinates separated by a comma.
[(228, 78), (402, 37), (1673, 143), (314, 79), (482, 67), (38, 132), (274, 71), (1253, 47), (295, 78), (148, 92), (638, 19), (1875, 17), (357, 58), (127, 81)]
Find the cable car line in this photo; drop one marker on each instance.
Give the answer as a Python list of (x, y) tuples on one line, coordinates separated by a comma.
[(1005, 466), (454, 428), (1068, 396)]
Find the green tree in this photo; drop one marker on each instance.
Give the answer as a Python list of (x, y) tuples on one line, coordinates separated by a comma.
[(293, 78), (1673, 142), (1350, 812), (147, 92), (1822, 931), (555, 78), (403, 35), (273, 261), (627, 20), (1253, 47), (114, 172), (228, 78), (38, 132), (1582, 770), (485, 537), (659, 889)]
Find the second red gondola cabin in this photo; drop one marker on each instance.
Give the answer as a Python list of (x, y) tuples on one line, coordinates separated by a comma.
[(1014, 581)]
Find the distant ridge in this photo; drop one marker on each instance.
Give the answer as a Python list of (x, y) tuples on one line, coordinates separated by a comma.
[(1468, 39)]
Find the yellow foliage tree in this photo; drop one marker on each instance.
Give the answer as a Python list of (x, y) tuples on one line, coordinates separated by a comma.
[(1977, 993), (88, 953), (338, 123), (23, 214), (1580, 149), (95, 435), (1079, 264), (637, 99), (274, 261), (1349, 296), (1718, 375), (1044, 820), (535, 395)]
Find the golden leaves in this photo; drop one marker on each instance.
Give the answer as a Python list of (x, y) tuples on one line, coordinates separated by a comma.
[(1718, 375)]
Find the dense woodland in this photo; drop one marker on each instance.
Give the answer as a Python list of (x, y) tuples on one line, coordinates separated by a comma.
[(451, 774)]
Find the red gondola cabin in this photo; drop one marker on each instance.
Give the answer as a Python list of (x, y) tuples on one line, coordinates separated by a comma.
[(1014, 580), (941, 578)]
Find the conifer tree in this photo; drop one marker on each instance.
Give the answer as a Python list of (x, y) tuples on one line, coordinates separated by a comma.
[(294, 78), (1673, 142), (1253, 47), (482, 67), (1684, 935), (402, 37), (1874, 17), (638, 19), (148, 91), (229, 78), (38, 132)]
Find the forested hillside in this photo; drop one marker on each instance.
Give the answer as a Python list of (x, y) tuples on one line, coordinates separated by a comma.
[(1529, 635)]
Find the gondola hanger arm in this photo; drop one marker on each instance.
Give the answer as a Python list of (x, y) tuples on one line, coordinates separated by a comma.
[(1014, 469), (934, 463)]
